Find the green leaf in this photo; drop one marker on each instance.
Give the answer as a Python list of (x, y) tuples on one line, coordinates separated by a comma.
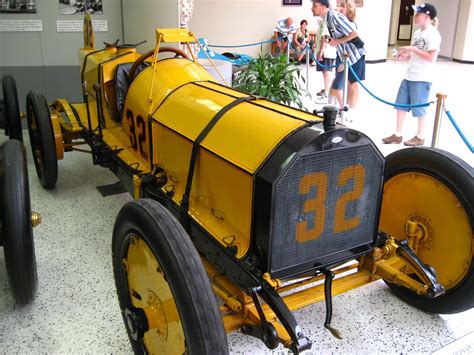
[(273, 78)]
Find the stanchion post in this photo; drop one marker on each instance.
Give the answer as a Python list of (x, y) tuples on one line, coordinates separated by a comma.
[(308, 48), (439, 114), (289, 38), (346, 76)]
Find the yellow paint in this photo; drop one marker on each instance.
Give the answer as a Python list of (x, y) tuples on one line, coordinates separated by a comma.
[(314, 207), (88, 32), (448, 242), (137, 183), (169, 75), (172, 35), (268, 104), (91, 72), (355, 173), (150, 291), (245, 135), (66, 117), (223, 211), (58, 137), (312, 292), (114, 137)]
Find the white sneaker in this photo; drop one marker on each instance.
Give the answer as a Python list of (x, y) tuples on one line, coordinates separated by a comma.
[(348, 118), (340, 118), (321, 100)]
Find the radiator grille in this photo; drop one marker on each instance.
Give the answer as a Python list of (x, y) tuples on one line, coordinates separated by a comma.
[(324, 203)]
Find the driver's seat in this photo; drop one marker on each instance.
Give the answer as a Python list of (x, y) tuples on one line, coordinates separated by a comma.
[(122, 83)]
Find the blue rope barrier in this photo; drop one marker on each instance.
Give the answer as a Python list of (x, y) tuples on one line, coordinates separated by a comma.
[(246, 45), (319, 63), (384, 101), (458, 129)]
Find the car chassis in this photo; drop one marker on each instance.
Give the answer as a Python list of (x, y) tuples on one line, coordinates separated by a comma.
[(241, 276)]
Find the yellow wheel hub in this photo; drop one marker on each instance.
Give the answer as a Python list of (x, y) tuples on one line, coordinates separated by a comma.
[(150, 291), (446, 241)]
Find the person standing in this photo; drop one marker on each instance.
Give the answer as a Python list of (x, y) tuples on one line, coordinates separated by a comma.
[(415, 87), (346, 39), (326, 55)]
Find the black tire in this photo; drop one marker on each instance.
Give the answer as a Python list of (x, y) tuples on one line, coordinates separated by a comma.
[(183, 271), (42, 141), (12, 109), (18, 243), (457, 176)]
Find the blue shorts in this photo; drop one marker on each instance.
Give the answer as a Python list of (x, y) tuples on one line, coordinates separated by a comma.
[(413, 93), (359, 68)]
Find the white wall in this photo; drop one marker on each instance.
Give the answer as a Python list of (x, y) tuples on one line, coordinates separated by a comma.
[(373, 20), (392, 39), (142, 17), (447, 15), (231, 22), (464, 46), (52, 48)]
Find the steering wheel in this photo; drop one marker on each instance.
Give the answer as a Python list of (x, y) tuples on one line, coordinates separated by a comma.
[(148, 54)]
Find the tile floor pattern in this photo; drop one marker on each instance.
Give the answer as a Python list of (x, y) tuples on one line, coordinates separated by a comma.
[(76, 310)]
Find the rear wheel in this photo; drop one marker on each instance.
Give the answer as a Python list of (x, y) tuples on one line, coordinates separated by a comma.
[(435, 189), (18, 244), (12, 109), (42, 139), (164, 292)]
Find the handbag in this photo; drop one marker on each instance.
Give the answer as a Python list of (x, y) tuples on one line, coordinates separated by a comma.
[(357, 42)]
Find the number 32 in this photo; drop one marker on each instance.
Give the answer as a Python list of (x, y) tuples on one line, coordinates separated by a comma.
[(141, 134), (317, 205)]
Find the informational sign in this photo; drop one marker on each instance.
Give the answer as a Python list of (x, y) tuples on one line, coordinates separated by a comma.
[(21, 25), (78, 25)]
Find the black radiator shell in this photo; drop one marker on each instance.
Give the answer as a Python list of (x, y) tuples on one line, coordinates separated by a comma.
[(307, 151)]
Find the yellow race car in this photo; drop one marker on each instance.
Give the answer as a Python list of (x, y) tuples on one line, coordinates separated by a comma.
[(267, 207)]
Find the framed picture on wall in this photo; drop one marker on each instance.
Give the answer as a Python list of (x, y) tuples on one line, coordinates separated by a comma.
[(292, 2), (18, 7), (79, 7)]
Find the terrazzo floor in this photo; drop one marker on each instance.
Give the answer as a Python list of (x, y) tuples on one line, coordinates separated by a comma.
[(76, 309)]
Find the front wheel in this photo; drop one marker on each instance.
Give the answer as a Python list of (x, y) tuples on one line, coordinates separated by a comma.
[(164, 292), (18, 243), (434, 189)]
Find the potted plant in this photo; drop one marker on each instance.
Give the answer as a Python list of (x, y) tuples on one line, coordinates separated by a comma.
[(272, 78)]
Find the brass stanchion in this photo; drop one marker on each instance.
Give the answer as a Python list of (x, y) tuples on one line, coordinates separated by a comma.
[(346, 76), (289, 38), (439, 114), (308, 48)]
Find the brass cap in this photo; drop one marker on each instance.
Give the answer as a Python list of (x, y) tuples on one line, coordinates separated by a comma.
[(35, 219)]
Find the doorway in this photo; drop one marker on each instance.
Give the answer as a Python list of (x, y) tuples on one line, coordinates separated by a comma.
[(405, 20)]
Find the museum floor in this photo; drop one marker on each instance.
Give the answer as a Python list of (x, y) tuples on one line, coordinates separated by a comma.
[(76, 310)]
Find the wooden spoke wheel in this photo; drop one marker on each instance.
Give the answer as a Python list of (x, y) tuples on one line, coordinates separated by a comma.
[(164, 292), (435, 189), (42, 139), (12, 109), (17, 233)]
